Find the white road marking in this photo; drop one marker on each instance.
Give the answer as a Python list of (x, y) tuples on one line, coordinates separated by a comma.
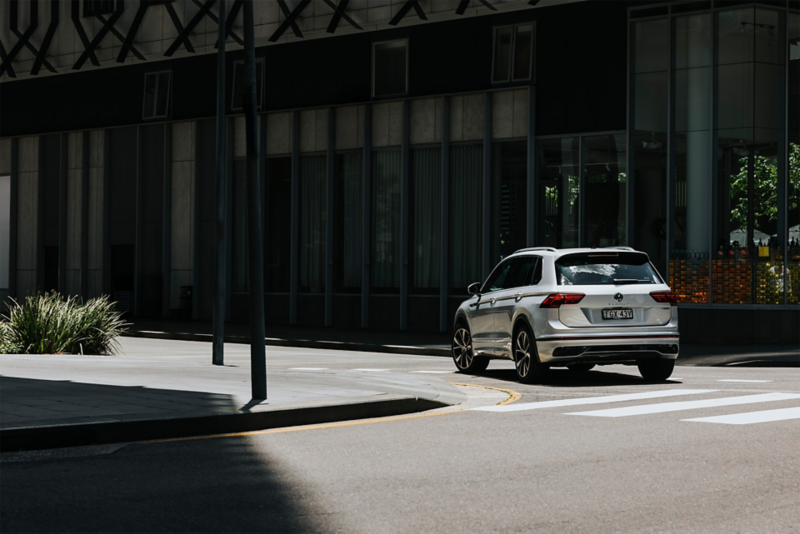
[(688, 405), (435, 372), (764, 416), (749, 381), (371, 370), (593, 400), (308, 369)]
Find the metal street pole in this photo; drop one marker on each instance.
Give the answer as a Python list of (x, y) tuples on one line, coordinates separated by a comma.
[(258, 362), (218, 327)]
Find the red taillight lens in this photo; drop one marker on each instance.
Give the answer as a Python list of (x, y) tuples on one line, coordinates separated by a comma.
[(664, 297), (557, 299)]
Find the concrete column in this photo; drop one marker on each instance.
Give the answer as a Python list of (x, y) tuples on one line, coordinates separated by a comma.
[(27, 216)]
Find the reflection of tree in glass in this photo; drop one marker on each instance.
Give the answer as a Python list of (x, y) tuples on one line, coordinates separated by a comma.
[(765, 194)]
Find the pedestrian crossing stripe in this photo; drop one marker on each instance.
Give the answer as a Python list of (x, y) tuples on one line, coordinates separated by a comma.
[(747, 418), (688, 405), (593, 400)]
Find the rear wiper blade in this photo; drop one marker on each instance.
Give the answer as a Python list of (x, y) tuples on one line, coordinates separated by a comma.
[(618, 281)]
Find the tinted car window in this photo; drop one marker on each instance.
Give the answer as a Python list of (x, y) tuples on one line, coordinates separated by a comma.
[(520, 273), (605, 268), (497, 279)]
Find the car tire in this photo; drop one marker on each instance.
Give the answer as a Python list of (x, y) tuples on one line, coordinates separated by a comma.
[(526, 358), (656, 370), (463, 354), (580, 367)]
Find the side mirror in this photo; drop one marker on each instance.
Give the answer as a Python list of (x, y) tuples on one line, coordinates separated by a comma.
[(474, 289)]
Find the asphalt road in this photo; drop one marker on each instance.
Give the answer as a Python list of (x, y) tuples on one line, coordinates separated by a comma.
[(523, 467)]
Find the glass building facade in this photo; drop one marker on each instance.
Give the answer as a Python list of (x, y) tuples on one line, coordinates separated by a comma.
[(714, 104)]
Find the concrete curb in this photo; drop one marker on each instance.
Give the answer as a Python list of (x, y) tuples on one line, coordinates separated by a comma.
[(117, 431), (303, 343)]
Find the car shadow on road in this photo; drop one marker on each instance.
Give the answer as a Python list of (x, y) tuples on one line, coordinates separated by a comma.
[(567, 378)]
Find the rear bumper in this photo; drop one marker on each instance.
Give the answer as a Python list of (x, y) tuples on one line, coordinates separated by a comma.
[(562, 350)]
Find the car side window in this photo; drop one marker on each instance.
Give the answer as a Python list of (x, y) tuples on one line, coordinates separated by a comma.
[(497, 279), (536, 273), (521, 271)]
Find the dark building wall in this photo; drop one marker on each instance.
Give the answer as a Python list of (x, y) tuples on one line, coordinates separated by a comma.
[(580, 73)]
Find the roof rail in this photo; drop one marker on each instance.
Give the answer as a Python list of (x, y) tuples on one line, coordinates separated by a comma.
[(623, 248), (549, 249)]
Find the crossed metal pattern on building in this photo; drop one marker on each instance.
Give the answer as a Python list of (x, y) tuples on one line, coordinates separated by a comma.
[(127, 38)]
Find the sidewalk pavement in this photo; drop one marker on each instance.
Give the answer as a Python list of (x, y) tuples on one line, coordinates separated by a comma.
[(66, 400), (419, 343), (429, 344)]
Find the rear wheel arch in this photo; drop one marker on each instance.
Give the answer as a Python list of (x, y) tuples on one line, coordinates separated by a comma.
[(520, 322)]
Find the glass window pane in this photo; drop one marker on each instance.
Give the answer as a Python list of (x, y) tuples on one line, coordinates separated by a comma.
[(693, 99), (689, 261), (349, 209), (523, 52), (509, 198), (497, 279), (604, 163), (650, 203), (735, 97), (259, 83), (693, 41), (793, 216), (386, 210), (502, 54), (736, 33), (276, 259), (650, 102), (521, 272), (559, 187), (768, 37), (768, 88), (426, 198), (313, 192), (149, 95), (162, 101), (466, 174), (390, 68), (651, 46)]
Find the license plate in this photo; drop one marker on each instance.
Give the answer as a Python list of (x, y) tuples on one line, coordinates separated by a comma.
[(618, 313)]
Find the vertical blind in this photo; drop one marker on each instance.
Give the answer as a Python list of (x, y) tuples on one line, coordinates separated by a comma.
[(348, 220), (386, 207), (426, 184), (466, 171), (312, 223)]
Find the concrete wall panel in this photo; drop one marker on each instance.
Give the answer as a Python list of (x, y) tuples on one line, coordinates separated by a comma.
[(395, 123), (502, 114), (349, 127), (380, 124), (308, 130), (183, 141), (75, 150), (520, 113), (321, 136), (96, 141), (182, 215), (423, 121), (472, 120), (74, 208), (279, 133), (457, 118)]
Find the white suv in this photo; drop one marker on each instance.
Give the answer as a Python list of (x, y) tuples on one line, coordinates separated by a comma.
[(578, 308)]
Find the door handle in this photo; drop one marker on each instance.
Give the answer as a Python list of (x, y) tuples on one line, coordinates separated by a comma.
[(493, 301), (519, 296)]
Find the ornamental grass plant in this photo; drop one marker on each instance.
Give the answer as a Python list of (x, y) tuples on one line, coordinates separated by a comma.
[(50, 324)]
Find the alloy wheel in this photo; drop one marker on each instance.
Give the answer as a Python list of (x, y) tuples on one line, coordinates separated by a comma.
[(462, 348), (522, 353)]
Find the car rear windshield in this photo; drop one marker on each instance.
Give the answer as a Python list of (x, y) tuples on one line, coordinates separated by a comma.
[(605, 268)]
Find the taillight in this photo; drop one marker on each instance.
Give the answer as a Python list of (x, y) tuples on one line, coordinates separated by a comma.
[(664, 297), (557, 299)]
